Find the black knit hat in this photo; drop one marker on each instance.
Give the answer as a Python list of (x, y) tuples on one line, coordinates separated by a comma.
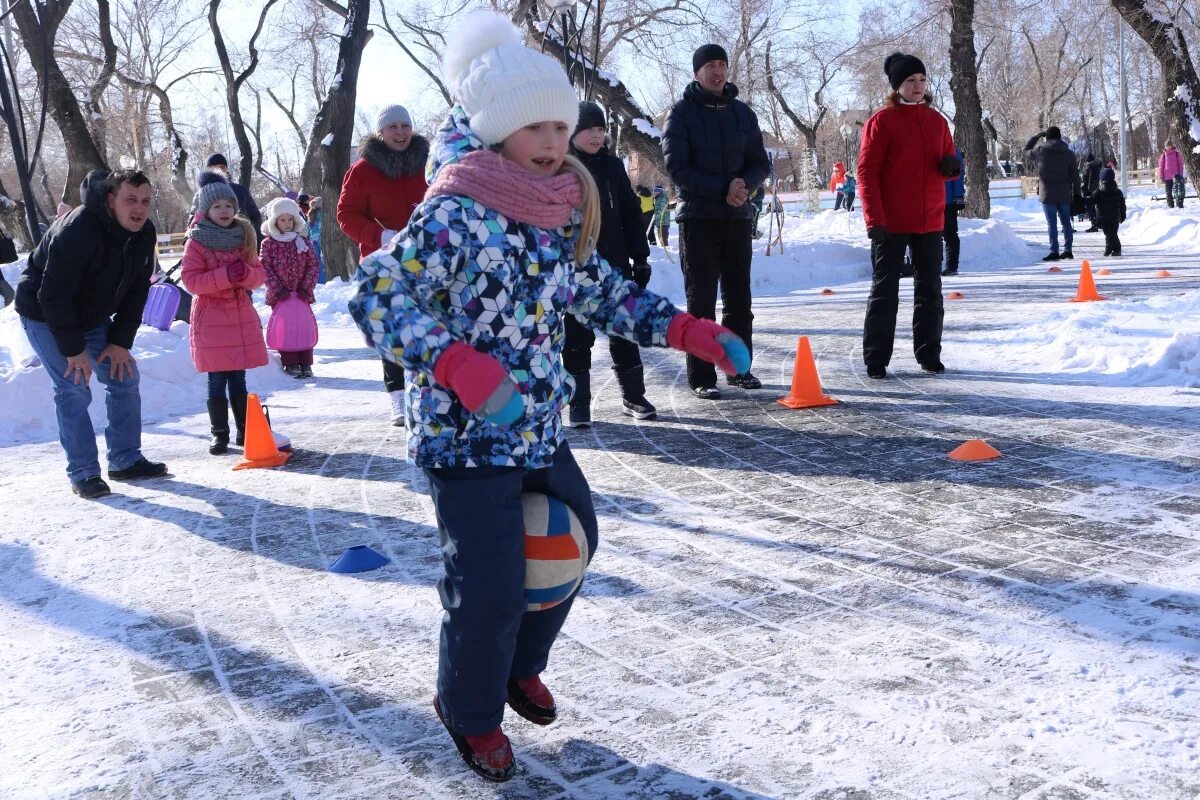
[(590, 116), (899, 66), (706, 53), (217, 160)]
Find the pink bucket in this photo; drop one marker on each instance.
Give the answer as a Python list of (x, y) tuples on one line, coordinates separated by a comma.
[(161, 305), (292, 326)]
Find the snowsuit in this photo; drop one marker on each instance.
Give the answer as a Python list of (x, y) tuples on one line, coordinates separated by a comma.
[(662, 218), (1110, 212), (226, 334), (904, 192), (620, 240), (509, 301), (1170, 172), (287, 270), (849, 190), (708, 141), (956, 196), (379, 193)]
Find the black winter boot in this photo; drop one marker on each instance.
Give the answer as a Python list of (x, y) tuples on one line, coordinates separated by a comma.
[(238, 401), (218, 419), (633, 393), (580, 415)]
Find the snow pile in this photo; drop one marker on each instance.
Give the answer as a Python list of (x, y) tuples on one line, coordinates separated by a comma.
[(1177, 229), (829, 248), (1151, 342), (170, 386)]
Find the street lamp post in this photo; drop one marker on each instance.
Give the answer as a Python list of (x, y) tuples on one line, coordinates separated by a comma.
[(1124, 139)]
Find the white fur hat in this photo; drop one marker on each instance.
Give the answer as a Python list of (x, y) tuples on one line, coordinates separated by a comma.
[(501, 84), (276, 209)]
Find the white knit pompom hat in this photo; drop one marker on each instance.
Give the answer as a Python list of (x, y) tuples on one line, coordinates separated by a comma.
[(276, 209), (501, 84)]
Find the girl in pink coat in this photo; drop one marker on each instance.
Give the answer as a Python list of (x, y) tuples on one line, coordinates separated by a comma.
[(290, 265), (220, 267)]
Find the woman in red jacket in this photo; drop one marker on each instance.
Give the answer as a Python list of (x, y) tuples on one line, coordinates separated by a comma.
[(379, 194), (906, 156)]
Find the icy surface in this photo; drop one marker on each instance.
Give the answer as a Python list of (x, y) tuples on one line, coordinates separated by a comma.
[(785, 604)]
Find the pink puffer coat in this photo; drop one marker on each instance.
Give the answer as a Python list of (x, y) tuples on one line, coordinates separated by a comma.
[(288, 270), (226, 332)]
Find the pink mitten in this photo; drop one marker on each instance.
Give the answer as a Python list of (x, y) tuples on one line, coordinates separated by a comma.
[(709, 342), (237, 271), (481, 383)]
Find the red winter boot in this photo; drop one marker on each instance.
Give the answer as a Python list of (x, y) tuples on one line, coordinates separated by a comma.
[(530, 698), (489, 756)]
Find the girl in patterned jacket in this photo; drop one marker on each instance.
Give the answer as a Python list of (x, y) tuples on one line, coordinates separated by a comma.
[(290, 265), (471, 299)]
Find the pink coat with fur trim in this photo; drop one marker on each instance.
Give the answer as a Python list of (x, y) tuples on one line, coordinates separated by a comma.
[(226, 332)]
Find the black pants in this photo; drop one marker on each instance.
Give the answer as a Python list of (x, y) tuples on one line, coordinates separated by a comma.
[(838, 197), (879, 331), (849, 201), (1112, 242), (647, 219), (393, 376), (1169, 186), (950, 235), (716, 253), (626, 362)]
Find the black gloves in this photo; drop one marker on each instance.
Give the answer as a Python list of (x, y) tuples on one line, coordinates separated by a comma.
[(641, 274), (950, 166), (877, 233)]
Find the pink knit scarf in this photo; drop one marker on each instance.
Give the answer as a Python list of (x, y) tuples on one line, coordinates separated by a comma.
[(505, 187)]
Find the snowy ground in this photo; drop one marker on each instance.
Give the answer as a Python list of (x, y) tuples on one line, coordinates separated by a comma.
[(786, 604)]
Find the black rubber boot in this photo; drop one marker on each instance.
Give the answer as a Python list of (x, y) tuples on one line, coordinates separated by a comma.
[(218, 419), (238, 401)]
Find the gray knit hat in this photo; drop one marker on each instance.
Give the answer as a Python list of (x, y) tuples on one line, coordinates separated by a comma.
[(391, 114), (213, 187)]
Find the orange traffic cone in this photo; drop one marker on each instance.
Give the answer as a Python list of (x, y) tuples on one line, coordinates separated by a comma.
[(260, 452), (974, 450), (1086, 292), (1104, 271), (827, 292), (955, 296), (1163, 273), (1054, 269), (806, 384)]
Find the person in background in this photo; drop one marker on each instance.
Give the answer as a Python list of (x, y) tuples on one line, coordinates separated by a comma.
[(835, 184), (1058, 184), (1091, 182), (849, 190), (956, 200), (249, 208), (315, 217), (646, 205), (662, 216), (1170, 172), (378, 196), (80, 300), (289, 267), (1110, 211)]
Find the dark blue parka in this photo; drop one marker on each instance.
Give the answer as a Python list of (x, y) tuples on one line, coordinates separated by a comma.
[(709, 140)]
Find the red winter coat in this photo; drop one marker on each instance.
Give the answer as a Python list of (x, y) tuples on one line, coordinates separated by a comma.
[(371, 202), (226, 333), (288, 270), (900, 180)]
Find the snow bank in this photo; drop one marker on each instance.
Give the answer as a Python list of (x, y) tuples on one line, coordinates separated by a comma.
[(829, 248), (1177, 229), (1151, 342), (170, 386)]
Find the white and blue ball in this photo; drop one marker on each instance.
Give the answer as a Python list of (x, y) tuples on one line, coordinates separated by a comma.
[(556, 550)]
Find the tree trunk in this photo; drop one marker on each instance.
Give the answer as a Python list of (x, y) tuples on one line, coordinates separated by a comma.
[(13, 221), (968, 111), (337, 117), (1181, 85), (38, 35)]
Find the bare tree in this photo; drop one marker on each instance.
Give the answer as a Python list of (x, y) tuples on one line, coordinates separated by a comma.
[(1055, 76), (968, 110), (430, 39), (38, 31), (233, 83)]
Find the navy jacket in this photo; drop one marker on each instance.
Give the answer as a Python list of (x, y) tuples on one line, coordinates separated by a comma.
[(956, 188), (86, 269), (622, 232), (709, 141)]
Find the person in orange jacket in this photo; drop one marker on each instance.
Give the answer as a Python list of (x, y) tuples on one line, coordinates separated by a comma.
[(835, 184)]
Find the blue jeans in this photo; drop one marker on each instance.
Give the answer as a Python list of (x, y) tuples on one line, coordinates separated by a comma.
[(233, 381), (123, 436), (1054, 212)]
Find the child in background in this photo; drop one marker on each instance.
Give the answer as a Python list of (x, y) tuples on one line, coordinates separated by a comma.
[(835, 184), (662, 215), (472, 299), (220, 267), (849, 189), (315, 215), (1110, 210), (290, 266)]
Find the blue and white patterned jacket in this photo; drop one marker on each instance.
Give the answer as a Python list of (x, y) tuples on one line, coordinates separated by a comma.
[(461, 272)]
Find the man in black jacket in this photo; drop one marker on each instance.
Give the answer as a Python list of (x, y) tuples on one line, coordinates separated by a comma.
[(622, 239), (1058, 182), (80, 300), (714, 153)]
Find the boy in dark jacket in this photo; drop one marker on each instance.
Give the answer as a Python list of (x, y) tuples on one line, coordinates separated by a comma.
[(622, 238), (1110, 211)]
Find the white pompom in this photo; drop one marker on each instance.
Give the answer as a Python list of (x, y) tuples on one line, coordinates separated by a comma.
[(479, 32)]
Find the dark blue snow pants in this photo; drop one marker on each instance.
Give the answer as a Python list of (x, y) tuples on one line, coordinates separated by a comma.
[(487, 635)]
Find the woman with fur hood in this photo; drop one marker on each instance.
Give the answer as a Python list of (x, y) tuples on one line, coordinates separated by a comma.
[(379, 194)]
